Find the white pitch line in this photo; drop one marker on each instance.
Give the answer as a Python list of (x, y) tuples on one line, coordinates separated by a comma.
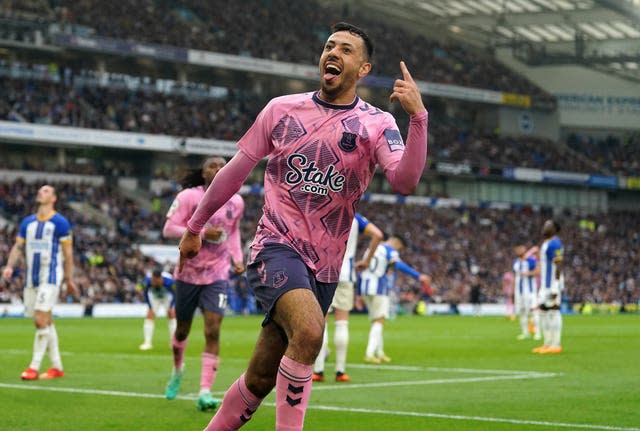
[(29, 387), (343, 409), (473, 418), (159, 356), (343, 386)]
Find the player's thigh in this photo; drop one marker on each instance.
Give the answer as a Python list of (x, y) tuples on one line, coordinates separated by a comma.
[(46, 297), (29, 295), (519, 304), (344, 296), (532, 302), (299, 310), (187, 300), (378, 306), (213, 297), (156, 304)]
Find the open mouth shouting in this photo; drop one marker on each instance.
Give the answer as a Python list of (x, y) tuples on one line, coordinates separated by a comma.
[(331, 72)]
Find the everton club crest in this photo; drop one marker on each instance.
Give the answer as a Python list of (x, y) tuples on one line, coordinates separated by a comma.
[(348, 142)]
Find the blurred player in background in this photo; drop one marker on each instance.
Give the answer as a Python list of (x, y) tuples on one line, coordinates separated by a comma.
[(159, 294), (202, 282), (45, 240), (551, 287), (323, 149), (507, 290), (374, 287), (343, 300), (526, 291)]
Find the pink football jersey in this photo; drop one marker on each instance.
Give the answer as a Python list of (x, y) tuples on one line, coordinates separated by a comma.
[(321, 159), (214, 260)]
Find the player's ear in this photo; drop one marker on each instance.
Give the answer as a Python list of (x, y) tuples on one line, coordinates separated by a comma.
[(364, 70)]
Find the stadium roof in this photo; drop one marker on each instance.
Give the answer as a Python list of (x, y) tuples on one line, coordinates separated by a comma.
[(602, 34)]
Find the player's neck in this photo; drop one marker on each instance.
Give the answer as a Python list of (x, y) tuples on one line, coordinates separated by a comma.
[(44, 212)]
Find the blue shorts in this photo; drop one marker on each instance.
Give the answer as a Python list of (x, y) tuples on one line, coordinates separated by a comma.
[(208, 297), (278, 269)]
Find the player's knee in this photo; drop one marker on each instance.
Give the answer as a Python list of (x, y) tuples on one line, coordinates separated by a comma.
[(182, 332), (260, 384), (308, 338), (41, 320), (212, 333)]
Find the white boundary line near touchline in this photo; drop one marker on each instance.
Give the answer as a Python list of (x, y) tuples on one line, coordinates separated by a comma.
[(342, 409), (343, 387), (146, 356)]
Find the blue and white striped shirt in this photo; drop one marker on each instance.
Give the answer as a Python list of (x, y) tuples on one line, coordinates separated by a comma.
[(43, 251)]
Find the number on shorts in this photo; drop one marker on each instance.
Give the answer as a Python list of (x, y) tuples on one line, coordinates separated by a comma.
[(374, 264), (222, 300)]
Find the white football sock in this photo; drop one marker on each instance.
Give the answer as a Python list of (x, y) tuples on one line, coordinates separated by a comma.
[(374, 338), (54, 350), (557, 328), (173, 324), (40, 343), (318, 366), (524, 323), (380, 349), (545, 316), (147, 330), (536, 321), (341, 340)]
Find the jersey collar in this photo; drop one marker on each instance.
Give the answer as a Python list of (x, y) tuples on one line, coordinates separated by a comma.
[(321, 102)]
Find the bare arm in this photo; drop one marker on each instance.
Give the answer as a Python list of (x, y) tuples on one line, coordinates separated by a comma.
[(373, 232), (16, 253), (558, 261), (67, 251)]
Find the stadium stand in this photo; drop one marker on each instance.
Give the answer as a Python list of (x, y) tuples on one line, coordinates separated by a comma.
[(86, 103), (201, 25), (453, 245)]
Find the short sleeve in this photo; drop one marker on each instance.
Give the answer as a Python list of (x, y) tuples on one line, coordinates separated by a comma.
[(362, 222), (22, 232), (63, 228), (180, 211)]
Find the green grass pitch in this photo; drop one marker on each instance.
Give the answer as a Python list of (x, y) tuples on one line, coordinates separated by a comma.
[(447, 373)]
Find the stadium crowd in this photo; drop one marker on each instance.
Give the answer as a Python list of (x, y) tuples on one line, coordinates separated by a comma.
[(96, 107), (213, 26), (619, 154), (457, 247), (36, 94)]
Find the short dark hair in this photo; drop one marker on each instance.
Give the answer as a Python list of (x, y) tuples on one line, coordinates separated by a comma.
[(157, 272), (344, 26), (398, 237)]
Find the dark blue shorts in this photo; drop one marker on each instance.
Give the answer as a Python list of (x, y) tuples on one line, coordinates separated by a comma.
[(278, 269), (208, 297)]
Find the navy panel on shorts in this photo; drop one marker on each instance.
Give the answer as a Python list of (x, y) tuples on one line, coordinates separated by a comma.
[(210, 297), (278, 269)]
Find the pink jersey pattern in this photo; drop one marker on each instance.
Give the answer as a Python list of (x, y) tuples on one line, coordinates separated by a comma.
[(214, 260), (321, 159)]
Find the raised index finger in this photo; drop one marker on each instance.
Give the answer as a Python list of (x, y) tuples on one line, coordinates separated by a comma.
[(405, 72)]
